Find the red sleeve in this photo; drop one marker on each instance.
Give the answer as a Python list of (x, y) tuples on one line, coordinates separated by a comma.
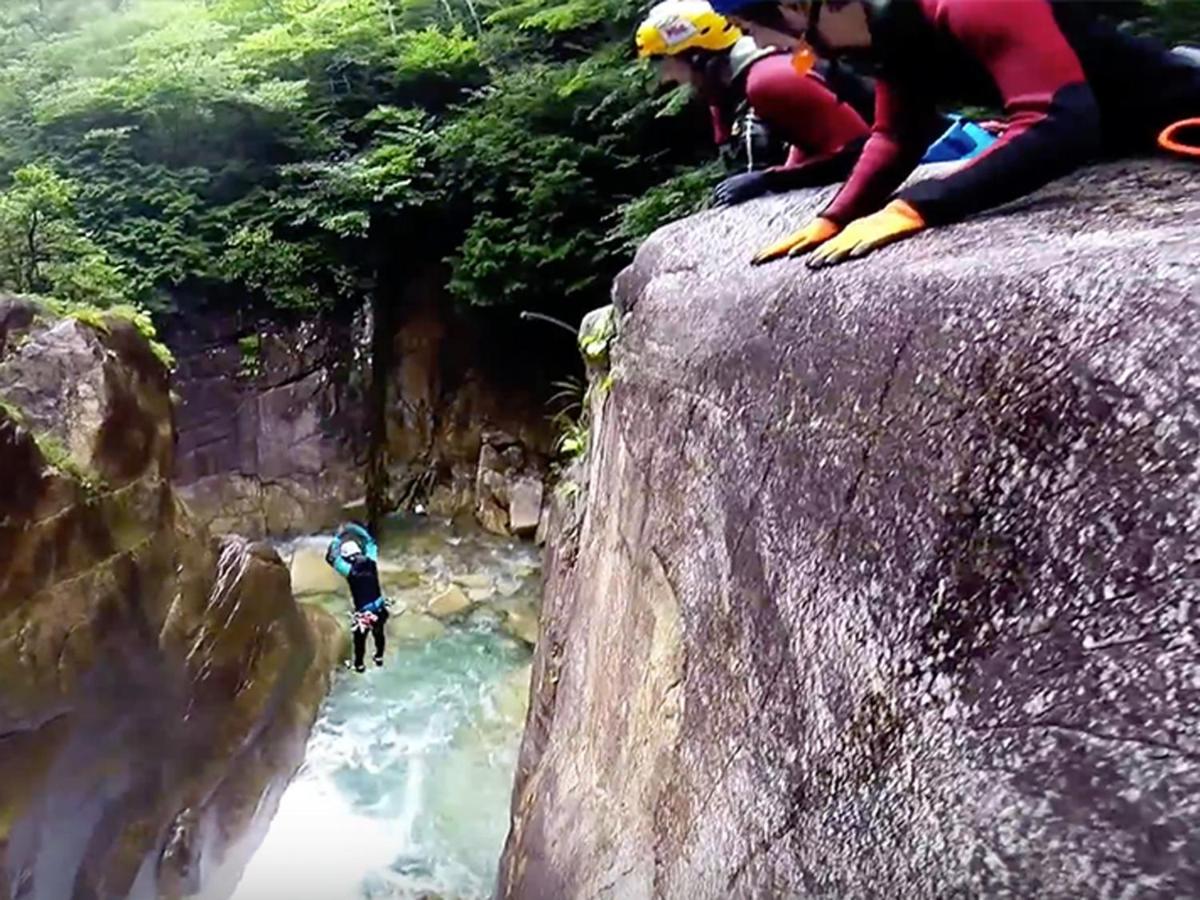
[(1053, 123), (801, 109), (905, 124), (795, 158)]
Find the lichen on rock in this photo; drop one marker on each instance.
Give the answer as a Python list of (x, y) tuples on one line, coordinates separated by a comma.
[(156, 685)]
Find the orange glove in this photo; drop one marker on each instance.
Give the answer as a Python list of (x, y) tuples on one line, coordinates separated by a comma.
[(860, 237), (814, 233)]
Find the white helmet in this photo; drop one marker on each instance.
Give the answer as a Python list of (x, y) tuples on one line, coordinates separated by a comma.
[(349, 549)]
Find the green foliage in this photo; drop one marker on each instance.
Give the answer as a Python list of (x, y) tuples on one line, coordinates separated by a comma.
[(1173, 21), (597, 332), (57, 456), (99, 318), (43, 249), (570, 419), (306, 151), (289, 149), (251, 350), (140, 319), (12, 412), (675, 198), (568, 490), (277, 268)]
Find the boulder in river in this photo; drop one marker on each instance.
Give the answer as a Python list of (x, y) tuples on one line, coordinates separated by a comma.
[(519, 620), (881, 579), (508, 486), (525, 505), (449, 603), (156, 686), (310, 573), (415, 626)]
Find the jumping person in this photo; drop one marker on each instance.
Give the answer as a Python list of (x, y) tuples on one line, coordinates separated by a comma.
[(357, 563), (1072, 86)]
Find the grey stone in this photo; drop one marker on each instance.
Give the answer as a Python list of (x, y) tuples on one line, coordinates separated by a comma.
[(525, 506), (884, 585), (508, 487), (156, 685), (276, 453), (449, 603)]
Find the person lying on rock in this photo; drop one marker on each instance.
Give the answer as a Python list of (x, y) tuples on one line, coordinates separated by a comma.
[(353, 554), (823, 114), (1071, 85), (758, 88)]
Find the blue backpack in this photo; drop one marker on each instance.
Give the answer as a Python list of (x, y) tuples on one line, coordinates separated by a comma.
[(962, 140)]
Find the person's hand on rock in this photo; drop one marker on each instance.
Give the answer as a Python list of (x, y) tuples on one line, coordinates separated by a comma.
[(740, 188), (815, 233), (895, 221)]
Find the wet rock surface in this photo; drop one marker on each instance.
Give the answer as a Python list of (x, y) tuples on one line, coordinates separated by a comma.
[(271, 419), (454, 379), (274, 412), (884, 579), (509, 485), (156, 685)]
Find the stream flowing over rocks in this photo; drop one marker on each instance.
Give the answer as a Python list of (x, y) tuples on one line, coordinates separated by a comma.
[(159, 685), (407, 777), (880, 581)]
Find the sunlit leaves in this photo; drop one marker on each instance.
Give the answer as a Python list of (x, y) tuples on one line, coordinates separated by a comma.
[(281, 269), (43, 249), (277, 145)]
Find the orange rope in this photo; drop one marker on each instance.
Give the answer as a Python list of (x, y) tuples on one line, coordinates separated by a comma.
[(1167, 139)]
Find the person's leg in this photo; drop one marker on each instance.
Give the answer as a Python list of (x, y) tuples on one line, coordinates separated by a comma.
[(378, 634), (360, 649)]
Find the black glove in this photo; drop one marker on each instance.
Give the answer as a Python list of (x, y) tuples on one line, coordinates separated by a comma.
[(740, 188)]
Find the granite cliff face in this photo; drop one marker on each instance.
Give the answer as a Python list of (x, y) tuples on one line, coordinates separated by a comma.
[(275, 414), (156, 685), (881, 579), (271, 419)]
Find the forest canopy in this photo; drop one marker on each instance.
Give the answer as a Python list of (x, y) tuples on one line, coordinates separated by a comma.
[(286, 146)]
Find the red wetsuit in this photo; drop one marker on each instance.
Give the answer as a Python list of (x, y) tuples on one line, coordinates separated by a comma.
[(802, 110), (1071, 86), (825, 133)]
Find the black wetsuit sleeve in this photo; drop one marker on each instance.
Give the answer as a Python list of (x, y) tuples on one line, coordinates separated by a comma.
[(816, 172), (1053, 121)]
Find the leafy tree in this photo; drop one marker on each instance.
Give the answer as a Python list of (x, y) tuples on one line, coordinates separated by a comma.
[(43, 250), (285, 149)]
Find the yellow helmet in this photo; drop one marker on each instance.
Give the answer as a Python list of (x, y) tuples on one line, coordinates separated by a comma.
[(678, 25)]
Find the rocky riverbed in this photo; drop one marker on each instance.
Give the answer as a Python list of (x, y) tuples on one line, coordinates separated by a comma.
[(405, 786)]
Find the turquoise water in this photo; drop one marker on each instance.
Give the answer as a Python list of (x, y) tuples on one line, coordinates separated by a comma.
[(407, 777)]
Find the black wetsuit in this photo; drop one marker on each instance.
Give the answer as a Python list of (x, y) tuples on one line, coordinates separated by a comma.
[(364, 588), (1072, 86), (362, 574)]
